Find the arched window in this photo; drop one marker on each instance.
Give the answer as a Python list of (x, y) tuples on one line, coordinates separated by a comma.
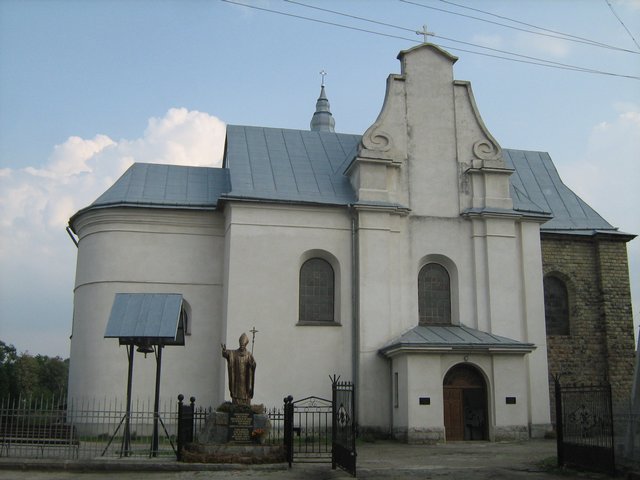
[(556, 306), (317, 285), (434, 295)]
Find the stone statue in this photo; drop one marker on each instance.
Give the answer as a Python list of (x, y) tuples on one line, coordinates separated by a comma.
[(241, 367)]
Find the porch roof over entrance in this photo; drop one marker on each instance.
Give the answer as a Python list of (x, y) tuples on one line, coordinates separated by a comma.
[(452, 338)]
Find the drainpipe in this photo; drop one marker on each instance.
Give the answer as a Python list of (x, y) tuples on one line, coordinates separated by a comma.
[(355, 307)]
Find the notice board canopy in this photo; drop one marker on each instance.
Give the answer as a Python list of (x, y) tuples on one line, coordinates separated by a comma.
[(147, 319)]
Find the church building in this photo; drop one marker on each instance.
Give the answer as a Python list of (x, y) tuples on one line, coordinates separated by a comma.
[(447, 277)]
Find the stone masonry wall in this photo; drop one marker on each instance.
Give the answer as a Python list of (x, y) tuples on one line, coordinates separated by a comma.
[(600, 346), (616, 309)]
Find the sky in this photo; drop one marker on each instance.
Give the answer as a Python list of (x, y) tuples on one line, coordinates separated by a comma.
[(88, 88)]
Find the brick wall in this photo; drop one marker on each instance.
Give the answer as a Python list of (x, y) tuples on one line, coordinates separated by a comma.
[(600, 347)]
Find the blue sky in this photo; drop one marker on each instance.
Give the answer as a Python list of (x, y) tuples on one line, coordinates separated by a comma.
[(88, 87)]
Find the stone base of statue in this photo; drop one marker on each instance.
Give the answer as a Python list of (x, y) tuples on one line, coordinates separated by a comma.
[(234, 434)]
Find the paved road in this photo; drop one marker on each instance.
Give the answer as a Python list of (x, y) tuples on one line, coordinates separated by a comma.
[(380, 460)]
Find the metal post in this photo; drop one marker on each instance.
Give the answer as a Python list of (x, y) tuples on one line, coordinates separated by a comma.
[(126, 440), (559, 426), (334, 420), (288, 428), (180, 441), (156, 405)]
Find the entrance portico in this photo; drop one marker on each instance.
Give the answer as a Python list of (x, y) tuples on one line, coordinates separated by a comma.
[(456, 383)]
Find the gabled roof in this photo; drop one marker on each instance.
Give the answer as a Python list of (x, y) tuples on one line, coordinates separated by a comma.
[(302, 166), (443, 338)]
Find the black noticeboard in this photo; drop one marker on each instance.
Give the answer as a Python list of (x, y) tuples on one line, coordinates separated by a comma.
[(240, 427)]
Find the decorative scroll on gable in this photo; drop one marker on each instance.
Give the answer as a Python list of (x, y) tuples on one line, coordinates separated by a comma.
[(375, 172), (484, 176), (377, 139), (486, 151), (385, 139)]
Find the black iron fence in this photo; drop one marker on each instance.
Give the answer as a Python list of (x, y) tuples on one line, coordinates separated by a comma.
[(93, 428), (584, 425)]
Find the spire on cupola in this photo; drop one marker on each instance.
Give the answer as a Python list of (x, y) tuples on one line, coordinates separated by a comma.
[(322, 120)]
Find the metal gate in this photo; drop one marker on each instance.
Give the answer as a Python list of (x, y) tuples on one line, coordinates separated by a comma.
[(584, 424), (321, 430), (308, 429), (344, 426)]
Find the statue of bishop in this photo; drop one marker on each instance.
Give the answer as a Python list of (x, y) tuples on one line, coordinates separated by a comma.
[(241, 367)]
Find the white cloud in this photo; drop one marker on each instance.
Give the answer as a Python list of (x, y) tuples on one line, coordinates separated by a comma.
[(607, 178), (36, 256)]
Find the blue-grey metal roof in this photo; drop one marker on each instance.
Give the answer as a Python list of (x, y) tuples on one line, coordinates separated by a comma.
[(535, 184), (451, 337), (302, 166), (146, 184), (151, 316), (289, 165)]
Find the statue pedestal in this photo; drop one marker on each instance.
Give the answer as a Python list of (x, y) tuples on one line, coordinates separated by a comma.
[(237, 427), (234, 434)]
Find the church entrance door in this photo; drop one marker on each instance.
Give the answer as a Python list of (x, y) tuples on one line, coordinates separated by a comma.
[(465, 404)]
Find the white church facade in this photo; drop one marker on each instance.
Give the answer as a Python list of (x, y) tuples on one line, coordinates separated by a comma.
[(407, 259)]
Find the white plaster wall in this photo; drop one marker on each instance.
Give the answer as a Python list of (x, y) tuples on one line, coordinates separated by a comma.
[(534, 327), (432, 163), (382, 248), (510, 380), (152, 251), (425, 380), (400, 412), (266, 245)]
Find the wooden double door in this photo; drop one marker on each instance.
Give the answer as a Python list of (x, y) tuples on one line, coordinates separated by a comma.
[(465, 404)]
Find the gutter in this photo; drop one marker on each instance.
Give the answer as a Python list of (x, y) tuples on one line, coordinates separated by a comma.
[(73, 238)]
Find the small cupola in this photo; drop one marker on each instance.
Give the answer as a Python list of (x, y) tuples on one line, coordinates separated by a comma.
[(322, 120)]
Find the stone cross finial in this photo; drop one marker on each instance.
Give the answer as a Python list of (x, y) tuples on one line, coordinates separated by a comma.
[(324, 74), (425, 33)]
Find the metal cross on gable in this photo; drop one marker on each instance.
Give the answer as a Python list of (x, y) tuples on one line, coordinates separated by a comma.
[(425, 33)]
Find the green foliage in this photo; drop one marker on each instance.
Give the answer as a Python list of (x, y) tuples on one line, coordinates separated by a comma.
[(29, 376)]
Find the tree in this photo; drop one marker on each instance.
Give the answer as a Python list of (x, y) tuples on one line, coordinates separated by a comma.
[(8, 357), (29, 376)]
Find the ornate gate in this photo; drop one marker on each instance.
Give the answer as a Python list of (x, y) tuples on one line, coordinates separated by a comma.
[(307, 429), (321, 430), (584, 424), (344, 426)]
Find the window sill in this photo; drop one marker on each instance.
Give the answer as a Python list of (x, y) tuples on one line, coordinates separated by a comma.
[(318, 323)]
